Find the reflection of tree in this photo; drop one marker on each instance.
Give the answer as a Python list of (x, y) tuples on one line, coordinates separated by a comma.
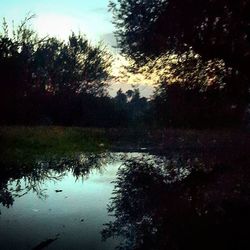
[(34, 182), (6, 197), (16, 181), (198, 209)]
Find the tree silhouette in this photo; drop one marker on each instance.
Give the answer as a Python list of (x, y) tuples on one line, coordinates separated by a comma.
[(40, 77), (214, 29), (210, 31)]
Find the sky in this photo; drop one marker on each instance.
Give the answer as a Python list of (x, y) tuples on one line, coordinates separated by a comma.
[(60, 17)]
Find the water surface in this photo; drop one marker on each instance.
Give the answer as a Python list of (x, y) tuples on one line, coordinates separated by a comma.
[(134, 201), (63, 205)]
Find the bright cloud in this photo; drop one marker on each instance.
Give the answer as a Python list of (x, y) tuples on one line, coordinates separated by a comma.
[(60, 26)]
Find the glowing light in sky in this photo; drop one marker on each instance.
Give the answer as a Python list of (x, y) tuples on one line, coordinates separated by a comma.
[(59, 26), (60, 18)]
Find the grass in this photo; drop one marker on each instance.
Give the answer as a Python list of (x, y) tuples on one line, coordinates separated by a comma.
[(26, 144), (178, 139)]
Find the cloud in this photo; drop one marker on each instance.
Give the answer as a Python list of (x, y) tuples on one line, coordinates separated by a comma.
[(101, 10), (58, 25), (110, 40)]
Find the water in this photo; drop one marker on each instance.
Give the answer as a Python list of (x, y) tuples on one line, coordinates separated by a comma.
[(62, 206), (134, 201)]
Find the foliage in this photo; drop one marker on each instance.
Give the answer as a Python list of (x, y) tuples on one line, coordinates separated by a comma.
[(198, 45), (47, 81), (42, 78), (55, 66), (135, 110), (75, 66), (214, 29)]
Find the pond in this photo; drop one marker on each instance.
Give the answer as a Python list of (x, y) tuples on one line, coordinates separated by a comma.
[(124, 201), (68, 205)]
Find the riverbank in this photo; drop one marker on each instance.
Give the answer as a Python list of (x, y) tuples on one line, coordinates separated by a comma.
[(28, 143), (25, 144)]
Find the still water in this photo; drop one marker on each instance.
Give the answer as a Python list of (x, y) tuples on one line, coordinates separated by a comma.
[(133, 201), (67, 208)]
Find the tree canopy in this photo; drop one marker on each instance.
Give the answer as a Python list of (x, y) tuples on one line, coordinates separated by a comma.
[(212, 28), (47, 77), (51, 65), (202, 47)]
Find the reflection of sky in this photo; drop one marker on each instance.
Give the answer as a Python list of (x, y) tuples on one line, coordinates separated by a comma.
[(76, 215), (59, 18)]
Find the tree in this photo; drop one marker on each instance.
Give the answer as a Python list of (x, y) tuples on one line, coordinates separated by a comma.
[(213, 28), (73, 66), (16, 60), (134, 109), (207, 39), (40, 77)]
